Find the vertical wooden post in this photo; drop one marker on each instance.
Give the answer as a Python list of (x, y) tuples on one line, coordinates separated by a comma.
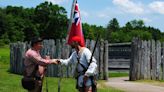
[(153, 60), (158, 63), (131, 76), (58, 53), (139, 59), (65, 54), (97, 56), (106, 60), (48, 49), (142, 60), (163, 61), (92, 44), (148, 61), (22, 56), (11, 57), (17, 57), (87, 43), (145, 59), (101, 59), (134, 60)]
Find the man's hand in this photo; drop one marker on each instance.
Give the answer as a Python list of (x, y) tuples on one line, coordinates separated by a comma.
[(55, 61), (85, 79)]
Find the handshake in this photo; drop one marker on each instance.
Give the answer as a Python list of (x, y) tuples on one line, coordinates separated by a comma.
[(55, 61), (52, 61)]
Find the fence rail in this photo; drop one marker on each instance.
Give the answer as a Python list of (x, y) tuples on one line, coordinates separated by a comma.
[(58, 49)]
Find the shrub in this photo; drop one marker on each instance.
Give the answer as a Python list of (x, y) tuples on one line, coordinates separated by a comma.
[(2, 43)]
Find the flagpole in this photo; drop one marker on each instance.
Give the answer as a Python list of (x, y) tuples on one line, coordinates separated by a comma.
[(71, 18), (69, 28)]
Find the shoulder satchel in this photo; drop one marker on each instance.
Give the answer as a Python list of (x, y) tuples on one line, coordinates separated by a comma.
[(29, 82)]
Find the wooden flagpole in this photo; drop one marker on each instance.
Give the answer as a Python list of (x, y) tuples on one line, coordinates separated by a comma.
[(71, 18), (69, 29)]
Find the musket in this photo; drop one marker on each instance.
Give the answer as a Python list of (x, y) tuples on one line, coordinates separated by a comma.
[(46, 85), (60, 78), (94, 49), (92, 57), (48, 53)]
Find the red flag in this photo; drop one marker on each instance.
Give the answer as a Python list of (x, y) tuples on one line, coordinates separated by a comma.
[(76, 27)]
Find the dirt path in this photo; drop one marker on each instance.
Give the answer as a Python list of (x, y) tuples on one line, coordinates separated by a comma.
[(127, 86)]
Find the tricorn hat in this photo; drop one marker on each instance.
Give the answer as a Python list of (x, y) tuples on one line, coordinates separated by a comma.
[(35, 40)]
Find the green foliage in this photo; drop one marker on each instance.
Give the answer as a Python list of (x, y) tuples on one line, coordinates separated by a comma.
[(86, 27), (50, 21), (135, 28), (2, 43), (120, 36), (128, 27), (162, 37), (112, 26), (141, 34), (156, 34), (137, 24), (21, 24), (91, 31)]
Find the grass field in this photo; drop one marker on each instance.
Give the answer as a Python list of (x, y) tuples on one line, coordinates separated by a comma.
[(11, 82), (118, 74)]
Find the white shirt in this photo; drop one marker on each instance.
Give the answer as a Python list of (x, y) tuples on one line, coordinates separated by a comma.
[(84, 58)]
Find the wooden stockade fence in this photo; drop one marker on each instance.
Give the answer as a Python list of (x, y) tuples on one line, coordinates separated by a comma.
[(119, 56), (147, 60), (58, 49)]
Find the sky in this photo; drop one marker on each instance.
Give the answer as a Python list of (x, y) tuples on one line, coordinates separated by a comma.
[(100, 12)]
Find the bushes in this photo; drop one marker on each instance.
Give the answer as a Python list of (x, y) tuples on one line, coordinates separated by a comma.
[(2, 43)]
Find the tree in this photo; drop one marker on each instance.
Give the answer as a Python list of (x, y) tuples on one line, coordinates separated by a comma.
[(91, 31), (2, 23), (144, 35), (137, 24), (162, 37), (101, 31), (113, 26), (156, 34), (85, 28), (15, 28), (51, 20), (128, 27)]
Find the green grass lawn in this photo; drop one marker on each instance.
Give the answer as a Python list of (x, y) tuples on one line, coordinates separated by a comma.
[(118, 74), (4, 54), (12, 82)]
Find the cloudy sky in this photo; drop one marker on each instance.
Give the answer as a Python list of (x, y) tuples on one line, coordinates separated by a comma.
[(100, 12)]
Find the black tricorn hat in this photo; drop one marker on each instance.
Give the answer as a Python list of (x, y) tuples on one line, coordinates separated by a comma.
[(35, 40)]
